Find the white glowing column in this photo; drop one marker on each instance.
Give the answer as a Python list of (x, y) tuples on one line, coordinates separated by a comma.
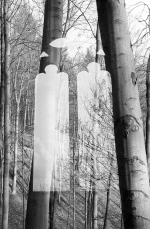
[(88, 82), (62, 145), (46, 99)]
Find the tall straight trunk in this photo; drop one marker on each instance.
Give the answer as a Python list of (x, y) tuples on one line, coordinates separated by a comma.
[(91, 184), (38, 202), (6, 120), (95, 198), (98, 45), (1, 110), (99, 60), (23, 175), (15, 151), (129, 137), (94, 185), (108, 196), (23, 191), (148, 112), (73, 130), (86, 192), (89, 207), (107, 205), (85, 209), (53, 204), (95, 202)]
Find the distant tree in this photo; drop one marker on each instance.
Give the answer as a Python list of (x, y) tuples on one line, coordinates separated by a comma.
[(6, 117), (22, 64)]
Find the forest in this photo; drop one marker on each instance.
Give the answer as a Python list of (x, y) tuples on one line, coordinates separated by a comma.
[(75, 114)]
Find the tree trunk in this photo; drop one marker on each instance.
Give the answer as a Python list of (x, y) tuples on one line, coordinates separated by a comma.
[(129, 137), (95, 202), (148, 112), (108, 196), (1, 111), (38, 202), (37, 208), (89, 212), (6, 120), (85, 209), (94, 184), (98, 58), (53, 204), (15, 151), (73, 146), (23, 175)]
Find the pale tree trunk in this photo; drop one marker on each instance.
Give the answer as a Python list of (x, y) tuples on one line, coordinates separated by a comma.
[(108, 196), (23, 175), (86, 192), (15, 150), (38, 202), (148, 112), (129, 137), (99, 60), (95, 202), (18, 91), (90, 197), (94, 187), (6, 120), (73, 130)]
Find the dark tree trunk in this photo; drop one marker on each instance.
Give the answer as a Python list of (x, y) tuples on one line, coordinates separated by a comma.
[(38, 202)]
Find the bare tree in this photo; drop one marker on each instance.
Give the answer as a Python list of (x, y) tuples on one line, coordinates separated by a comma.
[(6, 118), (108, 195)]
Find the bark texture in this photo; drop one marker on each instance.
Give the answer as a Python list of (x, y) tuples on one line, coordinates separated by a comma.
[(6, 120), (73, 143), (129, 137), (148, 112), (1, 109), (52, 30), (38, 202)]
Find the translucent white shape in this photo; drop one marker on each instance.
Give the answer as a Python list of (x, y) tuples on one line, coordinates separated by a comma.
[(93, 67), (93, 86), (62, 146), (88, 83), (44, 54), (59, 43), (45, 142), (101, 52)]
